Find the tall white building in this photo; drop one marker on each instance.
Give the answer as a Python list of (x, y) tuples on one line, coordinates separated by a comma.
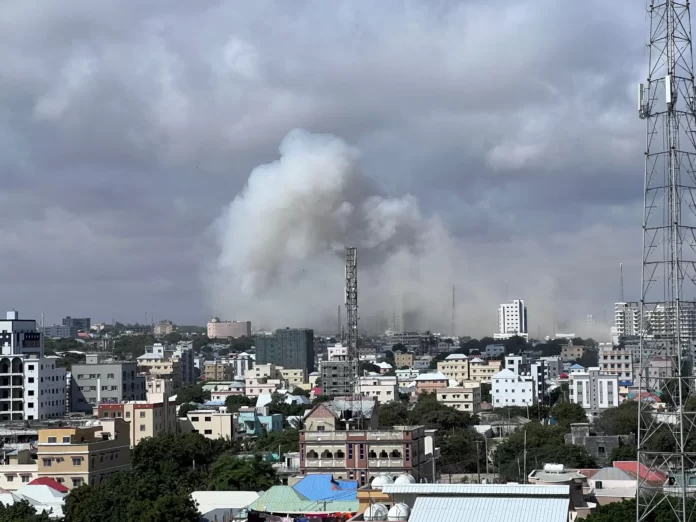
[(510, 389), (594, 390), (627, 318), (32, 387), (512, 320)]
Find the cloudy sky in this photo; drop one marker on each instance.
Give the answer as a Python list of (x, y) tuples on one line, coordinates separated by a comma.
[(126, 127)]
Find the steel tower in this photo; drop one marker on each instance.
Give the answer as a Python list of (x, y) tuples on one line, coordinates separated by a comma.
[(666, 102), (352, 327)]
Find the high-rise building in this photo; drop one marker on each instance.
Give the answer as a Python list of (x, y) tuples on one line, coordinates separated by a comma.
[(184, 354), (100, 381), (32, 387), (218, 329), (289, 348), (59, 331), (594, 391), (81, 323), (512, 320)]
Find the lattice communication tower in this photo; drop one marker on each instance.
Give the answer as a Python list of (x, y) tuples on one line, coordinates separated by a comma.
[(352, 323), (666, 442)]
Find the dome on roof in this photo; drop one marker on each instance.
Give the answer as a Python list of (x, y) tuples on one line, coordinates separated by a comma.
[(381, 480), (404, 479), (399, 511), (376, 512)]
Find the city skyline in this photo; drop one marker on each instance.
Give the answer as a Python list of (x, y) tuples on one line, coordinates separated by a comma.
[(531, 160)]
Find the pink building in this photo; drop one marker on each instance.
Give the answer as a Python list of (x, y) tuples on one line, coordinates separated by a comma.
[(224, 329), (431, 382)]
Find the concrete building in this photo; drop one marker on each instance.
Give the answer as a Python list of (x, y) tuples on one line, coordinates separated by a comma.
[(228, 329), (331, 444), (594, 391), (145, 418), (211, 424), (183, 352), (83, 324), (512, 320), (103, 381), (483, 371), (253, 422), (466, 398), (87, 455), (157, 389), (572, 353), (431, 382), (337, 352), (289, 348), (338, 377), (17, 468), (598, 445), (510, 389), (455, 367), (158, 362), (163, 328), (495, 350), (243, 362), (627, 318), (58, 331), (217, 371), (293, 376), (381, 388), (403, 359), (616, 361)]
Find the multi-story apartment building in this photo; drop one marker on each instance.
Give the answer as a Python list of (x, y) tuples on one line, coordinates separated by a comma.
[(145, 418), (217, 371), (403, 359), (157, 363), (554, 367), (59, 331), (594, 391), (455, 367), (510, 389), (243, 362), (157, 389), (211, 424), (512, 320), (466, 397), (32, 387), (104, 381), (483, 371), (83, 324), (218, 329), (616, 361), (661, 321), (495, 350), (183, 352), (331, 443), (571, 352), (74, 456), (627, 318), (381, 388), (163, 328), (293, 376), (289, 348), (409, 339), (17, 468), (431, 382), (338, 377)]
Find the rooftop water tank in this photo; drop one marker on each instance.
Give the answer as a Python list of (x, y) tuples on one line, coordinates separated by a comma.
[(405, 479), (375, 512), (398, 512), (554, 468), (381, 480)]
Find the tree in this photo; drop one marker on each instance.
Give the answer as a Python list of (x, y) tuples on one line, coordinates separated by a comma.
[(486, 392), (234, 402), (21, 511), (192, 393), (321, 398), (567, 413), (622, 420), (278, 404), (393, 414), (285, 441), (458, 452), (623, 453), (173, 338), (399, 347), (231, 473), (625, 511), (300, 391), (185, 408), (242, 344)]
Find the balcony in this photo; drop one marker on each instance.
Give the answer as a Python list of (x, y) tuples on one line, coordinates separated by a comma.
[(387, 463), (325, 463)]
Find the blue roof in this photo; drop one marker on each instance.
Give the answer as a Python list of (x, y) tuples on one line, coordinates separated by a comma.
[(324, 487), (214, 403), (625, 383), (577, 367)]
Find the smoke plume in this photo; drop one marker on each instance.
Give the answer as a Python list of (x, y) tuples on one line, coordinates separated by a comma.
[(281, 246)]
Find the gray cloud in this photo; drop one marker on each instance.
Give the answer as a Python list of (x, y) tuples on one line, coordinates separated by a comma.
[(127, 127)]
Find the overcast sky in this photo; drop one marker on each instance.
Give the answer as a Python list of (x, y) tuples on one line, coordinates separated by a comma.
[(127, 126)]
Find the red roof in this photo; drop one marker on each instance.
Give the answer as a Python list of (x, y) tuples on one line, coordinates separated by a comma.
[(563, 376), (632, 467), (47, 481)]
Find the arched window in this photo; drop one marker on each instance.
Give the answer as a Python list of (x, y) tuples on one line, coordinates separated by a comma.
[(311, 454), (326, 454), (395, 454), (383, 454), (340, 454), (371, 454)]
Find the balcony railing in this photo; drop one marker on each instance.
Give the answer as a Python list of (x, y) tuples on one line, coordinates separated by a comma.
[(325, 463)]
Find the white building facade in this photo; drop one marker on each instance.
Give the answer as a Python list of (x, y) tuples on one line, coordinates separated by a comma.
[(594, 390), (512, 320), (510, 389), (382, 388)]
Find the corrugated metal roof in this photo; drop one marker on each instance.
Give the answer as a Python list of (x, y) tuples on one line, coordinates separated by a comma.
[(486, 509), (478, 489)]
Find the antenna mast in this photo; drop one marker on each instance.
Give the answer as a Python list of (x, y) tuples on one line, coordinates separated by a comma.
[(621, 287), (454, 309), (352, 320), (668, 309)]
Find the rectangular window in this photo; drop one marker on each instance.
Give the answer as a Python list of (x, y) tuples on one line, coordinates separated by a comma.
[(127, 415), (9, 478), (362, 451), (208, 432), (66, 440), (52, 440), (208, 419), (26, 478), (350, 451), (47, 463), (76, 461), (142, 427), (142, 414), (194, 419), (76, 482)]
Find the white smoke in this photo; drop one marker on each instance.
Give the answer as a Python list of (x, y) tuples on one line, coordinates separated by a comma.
[(281, 246)]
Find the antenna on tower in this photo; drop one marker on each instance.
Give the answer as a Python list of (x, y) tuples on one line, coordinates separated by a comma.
[(668, 284), (454, 309), (621, 287), (339, 328), (352, 326)]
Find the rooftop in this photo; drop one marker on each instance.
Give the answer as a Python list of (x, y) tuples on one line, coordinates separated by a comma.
[(434, 376), (482, 509)]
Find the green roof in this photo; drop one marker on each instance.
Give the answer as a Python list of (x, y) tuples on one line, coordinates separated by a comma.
[(286, 500)]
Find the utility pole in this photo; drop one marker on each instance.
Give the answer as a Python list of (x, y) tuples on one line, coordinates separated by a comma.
[(667, 103), (524, 479), (478, 461)]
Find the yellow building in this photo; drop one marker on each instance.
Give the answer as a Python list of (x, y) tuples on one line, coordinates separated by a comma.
[(482, 371), (295, 377), (402, 359), (145, 418), (217, 371), (466, 397), (455, 366), (17, 468), (210, 424), (85, 455)]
